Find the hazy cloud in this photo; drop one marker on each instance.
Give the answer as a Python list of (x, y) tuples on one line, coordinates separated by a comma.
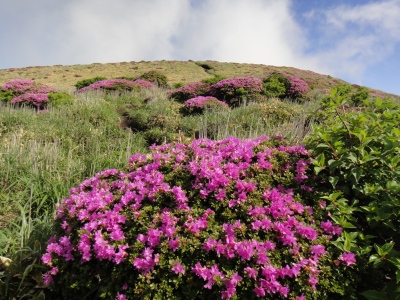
[(354, 38)]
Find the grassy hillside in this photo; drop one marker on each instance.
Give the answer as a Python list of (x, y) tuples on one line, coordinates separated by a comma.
[(64, 77)]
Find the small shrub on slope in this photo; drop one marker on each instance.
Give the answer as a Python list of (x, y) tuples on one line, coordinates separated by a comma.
[(189, 91), (232, 90), (199, 104), (276, 85), (155, 77), (229, 219), (86, 82)]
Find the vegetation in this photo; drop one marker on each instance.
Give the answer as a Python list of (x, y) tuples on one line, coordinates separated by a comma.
[(219, 197)]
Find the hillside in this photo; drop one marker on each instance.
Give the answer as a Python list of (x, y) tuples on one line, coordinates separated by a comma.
[(64, 77)]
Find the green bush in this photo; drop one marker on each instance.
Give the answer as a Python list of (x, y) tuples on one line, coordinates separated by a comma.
[(213, 80), (357, 155), (58, 99), (86, 82), (276, 85), (6, 96), (156, 77)]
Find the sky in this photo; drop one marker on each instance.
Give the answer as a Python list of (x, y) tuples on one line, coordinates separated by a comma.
[(355, 40)]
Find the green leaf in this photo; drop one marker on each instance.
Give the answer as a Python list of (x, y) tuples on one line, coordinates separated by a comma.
[(398, 276), (374, 295), (357, 173), (333, 180)]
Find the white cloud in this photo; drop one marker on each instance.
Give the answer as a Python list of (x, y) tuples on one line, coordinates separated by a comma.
[(355, 38)]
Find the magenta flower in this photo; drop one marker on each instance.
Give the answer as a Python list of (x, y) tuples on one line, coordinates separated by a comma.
[(178, 268), (348, 258)]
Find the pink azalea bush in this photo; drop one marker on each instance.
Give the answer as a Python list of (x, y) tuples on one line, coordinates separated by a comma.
[(298, 87), (200, 103), (232, 89), (189, 91), (22, 86), (229, 219), (37, 100), (116, 85)]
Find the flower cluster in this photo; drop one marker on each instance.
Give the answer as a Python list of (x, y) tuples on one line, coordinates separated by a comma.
[(189, 91), (28, 92), (22, 86), (198, 104), (38, 100), (116, 84), (219, 219), (298, 87), (233, 88)]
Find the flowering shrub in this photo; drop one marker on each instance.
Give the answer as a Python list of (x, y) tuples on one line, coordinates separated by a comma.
[(37, 100), (189, 91), (232, 89), (21, 86), (209, 220), (86, 82), (198, 104), (298, 87), (116, 85)]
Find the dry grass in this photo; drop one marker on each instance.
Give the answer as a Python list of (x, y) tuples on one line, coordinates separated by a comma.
[(65, 77)]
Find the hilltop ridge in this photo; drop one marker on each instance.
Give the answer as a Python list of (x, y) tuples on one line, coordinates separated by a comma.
[(64, 77)]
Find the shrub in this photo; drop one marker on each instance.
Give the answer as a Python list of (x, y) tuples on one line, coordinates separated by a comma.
[(207, 220), (189, 91), (276, 85), (199, 104), (155, 77), (86, 82), (6, 96), (59, 99), (22, 86), (233, 89), (213, 80), (357, 156), (36, 100), (297, 88)]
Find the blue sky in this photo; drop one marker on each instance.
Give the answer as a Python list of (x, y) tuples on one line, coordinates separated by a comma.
[(355, 40)]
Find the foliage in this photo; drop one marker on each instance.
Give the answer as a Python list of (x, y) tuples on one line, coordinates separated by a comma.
[(189, 91), (212, 219), (59, 99), (6, 96), (232, 90), (199, 104), (213, 80), (357, 155), (86, 82), (155, 77), (276, 85)]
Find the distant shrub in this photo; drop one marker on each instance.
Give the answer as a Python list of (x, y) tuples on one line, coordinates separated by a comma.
[(297, 88), (189, 91), (359, 96), (229, 219), (21, 86), (86, 82), (276, 85), (35, 100), (233, 89), (199, 104), (213, 80), (6, 96), (59, 99), (155, 77), (178, 85)]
